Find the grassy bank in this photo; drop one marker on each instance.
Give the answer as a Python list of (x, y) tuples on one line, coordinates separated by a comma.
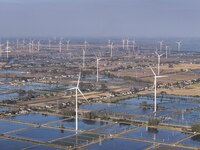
[(119, 98)]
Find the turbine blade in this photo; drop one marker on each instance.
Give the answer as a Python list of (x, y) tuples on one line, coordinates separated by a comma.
[(71, 89), (78, 80), (83, 95), (152, 71), (162, 54), (161, 76)]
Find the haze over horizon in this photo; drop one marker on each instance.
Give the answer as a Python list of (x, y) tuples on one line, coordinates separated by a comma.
[(100, 18)]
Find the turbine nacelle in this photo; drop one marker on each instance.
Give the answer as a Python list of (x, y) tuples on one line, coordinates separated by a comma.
[(159, 55)]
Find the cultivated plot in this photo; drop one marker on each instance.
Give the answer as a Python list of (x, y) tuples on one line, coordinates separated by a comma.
[(118, 144), (84, 124), (35, 118), (42, 134), (156, 134)]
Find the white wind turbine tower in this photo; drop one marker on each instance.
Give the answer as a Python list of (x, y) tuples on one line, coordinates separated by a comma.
[(23, 44), (155, 89), (159, 55), (98, 68), (7, 49), (77, 90), (111, 50), (161, 44), (179, 45), (17, 44), (1, 48), (127, 44), (166, 49), (68, 44), (108, 43), (49, 44), (85, 44), (29, 47), (83, 57), (133, 46), (32, 45), (123, 42), (60, 46), (38, 46)]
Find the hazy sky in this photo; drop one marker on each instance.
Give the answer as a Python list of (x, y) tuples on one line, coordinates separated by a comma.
[(94, 18)]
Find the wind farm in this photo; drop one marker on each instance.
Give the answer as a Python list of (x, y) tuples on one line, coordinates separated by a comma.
[(99, 75), (117, 91)]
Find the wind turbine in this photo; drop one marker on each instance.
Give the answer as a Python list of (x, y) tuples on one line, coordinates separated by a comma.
[(166, 48), (30, 47), (159, 55), (7, 49), (179, 45), (60, 46), (38, 46), (17, 43), (123, 41), (161, 44), (155, 88), (49, 44), (77, 89), (68, 44), (98, 68), (111, 50), (23, 44), (127, 44), (108, 43), (1, 48), (85, 43), (133, 46), (83, 57)]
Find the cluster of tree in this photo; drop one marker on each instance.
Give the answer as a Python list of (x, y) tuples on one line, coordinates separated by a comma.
[(86, 73), (38, 70), (30, 94), (9, 101), (171, 65), (22, 79), (62, 127), (136, 79), (129, 67), (89, 115), (195, 128), (68, 111), (86, 86), (152, 130), (119, 68), (144, 105), (103, 87), (153, 122), (21, 92)]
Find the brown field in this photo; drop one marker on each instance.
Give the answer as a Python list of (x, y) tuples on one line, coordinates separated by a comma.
[(191, 90), (179, 72)]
